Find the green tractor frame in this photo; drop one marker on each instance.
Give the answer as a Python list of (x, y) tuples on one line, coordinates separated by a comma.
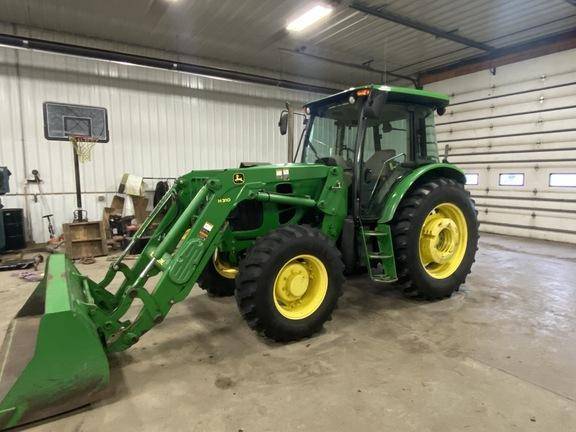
[(369, 195)]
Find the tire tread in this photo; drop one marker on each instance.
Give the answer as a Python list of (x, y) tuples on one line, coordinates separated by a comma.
[(258, 260), (403, 224)]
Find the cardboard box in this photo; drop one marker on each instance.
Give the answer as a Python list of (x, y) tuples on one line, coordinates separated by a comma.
[(131, 185), (140, 205)]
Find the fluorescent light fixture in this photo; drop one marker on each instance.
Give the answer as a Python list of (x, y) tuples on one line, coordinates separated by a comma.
[(123, 63), (308, 18)]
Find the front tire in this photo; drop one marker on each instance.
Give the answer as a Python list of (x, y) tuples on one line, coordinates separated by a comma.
[(435, 233), (215, 283), (289, 283)]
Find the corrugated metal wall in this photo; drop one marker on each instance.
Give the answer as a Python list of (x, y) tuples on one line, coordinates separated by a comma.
[(518, 121), (161, 123)]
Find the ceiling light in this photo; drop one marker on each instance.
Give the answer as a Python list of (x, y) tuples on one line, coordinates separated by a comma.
[(309, 18)]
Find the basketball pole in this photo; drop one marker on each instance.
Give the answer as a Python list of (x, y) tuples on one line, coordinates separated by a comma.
[(77, 179), (79, 214)]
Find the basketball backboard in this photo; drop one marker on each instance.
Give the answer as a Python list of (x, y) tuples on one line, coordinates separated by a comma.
[(64, 120)]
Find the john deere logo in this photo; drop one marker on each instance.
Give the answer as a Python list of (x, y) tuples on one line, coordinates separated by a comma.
[(238, 178)]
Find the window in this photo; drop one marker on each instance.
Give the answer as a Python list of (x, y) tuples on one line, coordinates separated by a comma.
[(333, 133), (386, 144), (390, 136), (511, 179), (323, 139), (471, 179), (563, 180), (386, 137), (431, 142)]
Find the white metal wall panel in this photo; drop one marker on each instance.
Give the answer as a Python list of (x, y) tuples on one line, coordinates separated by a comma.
[(162, 124), (522, 119)]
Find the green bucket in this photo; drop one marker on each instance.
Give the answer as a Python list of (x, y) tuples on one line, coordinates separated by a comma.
[(52, 358)]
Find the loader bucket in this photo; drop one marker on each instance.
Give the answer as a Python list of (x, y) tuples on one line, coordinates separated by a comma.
[(52, 359)]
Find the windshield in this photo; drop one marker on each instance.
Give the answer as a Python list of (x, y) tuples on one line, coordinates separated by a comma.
[(333, 134)]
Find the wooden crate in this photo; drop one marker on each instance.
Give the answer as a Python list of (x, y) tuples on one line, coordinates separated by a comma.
[(85, 239)]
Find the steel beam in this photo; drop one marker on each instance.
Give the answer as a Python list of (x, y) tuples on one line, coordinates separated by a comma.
[(502, 56), (418, 25), (353, 66), (138, 60)]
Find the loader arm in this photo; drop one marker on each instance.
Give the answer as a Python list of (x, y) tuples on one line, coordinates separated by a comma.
[(186, 239)]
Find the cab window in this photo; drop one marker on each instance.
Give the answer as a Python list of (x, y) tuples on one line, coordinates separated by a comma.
[(386, 146), (426, 144), (387, 138)]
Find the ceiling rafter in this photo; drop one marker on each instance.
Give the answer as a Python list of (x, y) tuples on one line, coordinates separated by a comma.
[(365, 66), (385, 14), (502, 56)]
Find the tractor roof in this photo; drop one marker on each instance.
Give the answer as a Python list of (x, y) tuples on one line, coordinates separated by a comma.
[(400, 94)]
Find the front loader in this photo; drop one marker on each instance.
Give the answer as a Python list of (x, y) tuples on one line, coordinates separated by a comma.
[(368, 196)]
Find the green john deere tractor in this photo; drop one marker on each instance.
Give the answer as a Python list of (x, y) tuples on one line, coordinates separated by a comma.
[(368, 195)]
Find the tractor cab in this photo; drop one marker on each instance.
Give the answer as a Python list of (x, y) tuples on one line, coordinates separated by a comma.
[(377, 134)]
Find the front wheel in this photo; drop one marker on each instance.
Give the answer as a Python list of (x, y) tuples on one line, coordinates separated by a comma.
[(289, 283), (217, 279), (435, 232)]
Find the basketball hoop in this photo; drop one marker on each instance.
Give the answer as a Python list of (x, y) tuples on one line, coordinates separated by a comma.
[(83, 146)]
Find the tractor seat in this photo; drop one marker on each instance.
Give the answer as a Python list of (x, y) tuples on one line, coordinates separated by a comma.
[(375, 162)]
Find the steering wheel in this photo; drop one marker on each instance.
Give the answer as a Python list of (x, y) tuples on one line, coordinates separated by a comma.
[(348, 150)]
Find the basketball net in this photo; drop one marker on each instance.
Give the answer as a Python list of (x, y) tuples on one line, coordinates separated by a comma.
[(83, 146)]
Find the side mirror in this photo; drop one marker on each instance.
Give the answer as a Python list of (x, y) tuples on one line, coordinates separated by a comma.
[(283, 123)]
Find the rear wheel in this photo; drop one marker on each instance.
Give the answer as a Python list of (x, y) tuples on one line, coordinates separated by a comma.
[(435, 232), (289, 283)]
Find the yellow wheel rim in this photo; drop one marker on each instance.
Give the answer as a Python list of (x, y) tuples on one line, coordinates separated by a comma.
[(300, 287), (223, 268), (443, 240)]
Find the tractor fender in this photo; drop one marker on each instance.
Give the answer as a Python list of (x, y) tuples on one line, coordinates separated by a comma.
[(414, 178)]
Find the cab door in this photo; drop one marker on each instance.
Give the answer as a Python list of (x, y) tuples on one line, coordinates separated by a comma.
[(386, 145)]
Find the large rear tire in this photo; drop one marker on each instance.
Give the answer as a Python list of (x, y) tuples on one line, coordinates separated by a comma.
[(435, 233), (289, 283)]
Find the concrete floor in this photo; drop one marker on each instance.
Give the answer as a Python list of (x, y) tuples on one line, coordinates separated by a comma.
[(498, 356)]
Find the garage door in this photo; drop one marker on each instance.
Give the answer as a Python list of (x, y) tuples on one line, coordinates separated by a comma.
[(513, 131)]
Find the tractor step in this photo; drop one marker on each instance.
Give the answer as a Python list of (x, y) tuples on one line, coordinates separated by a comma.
[(374, 234), (382, 278), (379, 256), (378, 248)]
